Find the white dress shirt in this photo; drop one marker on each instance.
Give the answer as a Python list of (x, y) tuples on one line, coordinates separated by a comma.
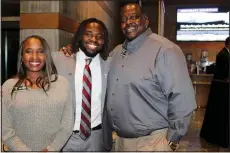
[(96, 90)]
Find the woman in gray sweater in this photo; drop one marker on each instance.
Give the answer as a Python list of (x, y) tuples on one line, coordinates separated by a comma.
[(37, 112)]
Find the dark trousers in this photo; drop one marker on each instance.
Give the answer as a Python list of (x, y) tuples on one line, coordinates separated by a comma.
[(215, 128)]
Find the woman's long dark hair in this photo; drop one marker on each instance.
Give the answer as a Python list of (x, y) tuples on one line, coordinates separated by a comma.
[(50, 71), (76, 41)]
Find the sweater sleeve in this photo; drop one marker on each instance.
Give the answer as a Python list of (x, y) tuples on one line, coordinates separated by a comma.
[(9, 137), (66, 126)]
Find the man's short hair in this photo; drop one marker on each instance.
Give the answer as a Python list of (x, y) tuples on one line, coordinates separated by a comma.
[(227, 41), (125, 2)]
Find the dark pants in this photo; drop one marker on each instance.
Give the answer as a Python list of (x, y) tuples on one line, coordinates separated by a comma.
[(93, 143)]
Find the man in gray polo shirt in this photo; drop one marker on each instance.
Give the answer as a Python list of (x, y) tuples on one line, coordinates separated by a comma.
[(150, 97)]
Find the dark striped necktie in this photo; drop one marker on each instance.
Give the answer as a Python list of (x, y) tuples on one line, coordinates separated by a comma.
[(85, 124)]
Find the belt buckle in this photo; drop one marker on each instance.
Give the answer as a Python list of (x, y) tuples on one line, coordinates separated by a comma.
[(76, 131)]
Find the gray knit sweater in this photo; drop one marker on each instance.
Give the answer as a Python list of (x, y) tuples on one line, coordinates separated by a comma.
[(32, 120)]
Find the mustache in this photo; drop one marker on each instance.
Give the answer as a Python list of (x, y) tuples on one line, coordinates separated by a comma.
[(93, 43), (130, 26), (82, 47), (80, 43)]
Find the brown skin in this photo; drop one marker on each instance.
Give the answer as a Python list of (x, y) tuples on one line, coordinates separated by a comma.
[(93, 35), (133, 21), (34, 59), (92, 39)]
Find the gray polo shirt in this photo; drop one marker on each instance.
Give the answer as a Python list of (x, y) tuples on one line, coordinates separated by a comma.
[(149, 88)]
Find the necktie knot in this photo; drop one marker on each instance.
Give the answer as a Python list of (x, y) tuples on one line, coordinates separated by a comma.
[(88, 61)]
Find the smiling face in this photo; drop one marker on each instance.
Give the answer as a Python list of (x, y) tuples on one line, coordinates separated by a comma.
[(133, 22), (34, 57), (92, 39)]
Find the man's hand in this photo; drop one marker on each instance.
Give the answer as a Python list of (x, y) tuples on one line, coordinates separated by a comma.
[(45, 150), (67, 50)]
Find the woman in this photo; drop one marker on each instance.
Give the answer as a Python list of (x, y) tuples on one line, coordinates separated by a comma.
[(37, 110)]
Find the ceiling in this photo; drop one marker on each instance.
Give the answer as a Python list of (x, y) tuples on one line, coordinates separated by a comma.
[(12, 7), (197, 2)]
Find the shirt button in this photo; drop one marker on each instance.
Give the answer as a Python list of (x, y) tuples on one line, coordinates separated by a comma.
[(111, 109), (122, 66), (113, 94), (117, 79)]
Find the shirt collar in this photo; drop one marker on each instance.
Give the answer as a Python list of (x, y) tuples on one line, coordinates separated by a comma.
[(132, 46)]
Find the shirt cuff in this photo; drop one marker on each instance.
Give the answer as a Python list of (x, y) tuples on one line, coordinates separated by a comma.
[(174, 136)]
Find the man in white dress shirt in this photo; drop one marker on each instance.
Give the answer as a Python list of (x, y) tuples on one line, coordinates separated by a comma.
[(86, 71)]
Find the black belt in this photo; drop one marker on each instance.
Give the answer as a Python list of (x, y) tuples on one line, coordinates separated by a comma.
[(93, 129)]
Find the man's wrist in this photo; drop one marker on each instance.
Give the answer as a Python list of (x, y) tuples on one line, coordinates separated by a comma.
[(174, 145)]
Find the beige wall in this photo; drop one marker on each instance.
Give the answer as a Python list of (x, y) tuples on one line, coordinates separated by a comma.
[(56, 38), (29, 6)]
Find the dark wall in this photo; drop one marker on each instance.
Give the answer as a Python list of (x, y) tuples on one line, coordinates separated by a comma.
[(151, 10), (189, 47), (10, 8), (9, 39)]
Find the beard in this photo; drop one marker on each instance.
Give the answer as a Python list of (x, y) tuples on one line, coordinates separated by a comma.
[(88, 53)]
